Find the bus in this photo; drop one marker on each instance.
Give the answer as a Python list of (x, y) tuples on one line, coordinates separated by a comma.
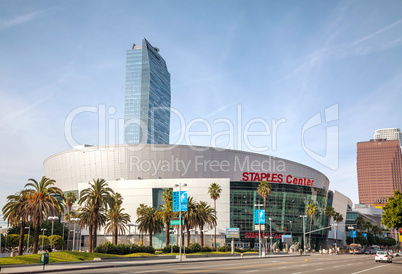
[(355, 249)]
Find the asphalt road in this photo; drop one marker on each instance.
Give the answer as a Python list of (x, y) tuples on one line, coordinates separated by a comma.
[(294, 265)]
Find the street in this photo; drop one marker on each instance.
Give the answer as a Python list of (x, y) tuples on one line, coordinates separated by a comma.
[(293, 265)]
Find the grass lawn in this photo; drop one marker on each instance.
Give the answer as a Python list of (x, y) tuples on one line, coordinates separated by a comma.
[(63, 256)]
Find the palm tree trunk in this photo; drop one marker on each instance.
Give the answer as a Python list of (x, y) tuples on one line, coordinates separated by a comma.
[(201, 236), (215, 226), (188, 235), (150, 238), (115, 232), (309, 238), (329, 220), (36, 235), (95, 230), (21, 241), (90, 229), (69, 227), (167, 232)]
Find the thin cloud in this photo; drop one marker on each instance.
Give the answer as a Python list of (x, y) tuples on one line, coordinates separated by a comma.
[(22, 19)]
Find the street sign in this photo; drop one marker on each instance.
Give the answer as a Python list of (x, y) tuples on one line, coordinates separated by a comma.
[(259, 216), (287, 238), (256, 227), (233, 233), (177, 200), (353, 234), (176, 222)]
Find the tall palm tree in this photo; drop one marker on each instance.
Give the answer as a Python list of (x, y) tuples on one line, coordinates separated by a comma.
[(311, 211), (16, 213), (206, 216), (214, 191), (190, 217), (97, 196), (116, 219), (46, 200), (329, 211), (139, 212), (69, 200), (165, 213), (167, 195), (150, 222), (264, 189), (337, 218), (360, 223)]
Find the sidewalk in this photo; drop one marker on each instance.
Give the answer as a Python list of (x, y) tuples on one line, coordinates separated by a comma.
[(74, 266)]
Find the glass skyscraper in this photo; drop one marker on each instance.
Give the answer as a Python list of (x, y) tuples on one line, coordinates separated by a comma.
[(147, 96)]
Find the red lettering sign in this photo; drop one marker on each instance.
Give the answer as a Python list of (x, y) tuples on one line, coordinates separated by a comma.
[(276, 178)]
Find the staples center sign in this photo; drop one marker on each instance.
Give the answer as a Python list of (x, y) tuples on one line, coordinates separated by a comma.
[(276, 178)]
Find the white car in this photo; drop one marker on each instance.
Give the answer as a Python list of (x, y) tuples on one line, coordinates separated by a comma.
[(383, 256)]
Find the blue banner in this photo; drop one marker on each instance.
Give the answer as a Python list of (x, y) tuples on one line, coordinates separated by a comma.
[(177, 200), (365, 235), (259, 216), (353, 234)]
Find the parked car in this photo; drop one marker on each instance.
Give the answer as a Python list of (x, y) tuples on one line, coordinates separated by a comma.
[(383, 256)]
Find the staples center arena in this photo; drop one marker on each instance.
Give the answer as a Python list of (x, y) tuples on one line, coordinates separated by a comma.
[(141, 173)]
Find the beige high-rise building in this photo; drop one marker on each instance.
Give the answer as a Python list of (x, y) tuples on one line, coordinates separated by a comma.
[(379, 170)]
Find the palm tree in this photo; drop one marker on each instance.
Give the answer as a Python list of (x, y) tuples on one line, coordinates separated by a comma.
[(139, 212), (206, 215), (16, 213), (264, 190), (46, 200), (190, 217), (116, 219), (360, 223), (311, 211), (165, 213), (329, 211), (150, 222), (337, 218), (167, 195), (97, 196), (214, 191), (69, 200)]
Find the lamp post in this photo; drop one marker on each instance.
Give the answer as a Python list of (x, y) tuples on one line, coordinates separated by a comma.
[(270, 233), (259, 229), (204, 230), (75, 220), (78, 241), (52, 219), (62, 248), (29, 231), (129, 232), (304, 234), (180, 233), (336, 240), (43, 235)]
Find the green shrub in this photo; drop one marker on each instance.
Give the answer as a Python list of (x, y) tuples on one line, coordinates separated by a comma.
[(206, 249), (195, 247), (224, 248)]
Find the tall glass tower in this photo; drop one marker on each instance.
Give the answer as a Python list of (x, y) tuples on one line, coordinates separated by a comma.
[(147, 96)]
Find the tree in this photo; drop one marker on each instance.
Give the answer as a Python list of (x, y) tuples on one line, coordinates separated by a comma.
[(69, 200), (329, 211), (139, 212), (45, 200), (116, 219), (360, 223), (392, 211), (149, 222), (190, 217), (311, 211), (167, 195), (165, 213), (97, 196), (206, 216), (337, 218), (214, 191), (15, 211)]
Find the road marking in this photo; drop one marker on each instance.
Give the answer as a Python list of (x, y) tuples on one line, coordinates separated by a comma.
[(238, 267), (368, 269)]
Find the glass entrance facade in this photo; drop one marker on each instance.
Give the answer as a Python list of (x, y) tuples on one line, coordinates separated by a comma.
[(284, 206)]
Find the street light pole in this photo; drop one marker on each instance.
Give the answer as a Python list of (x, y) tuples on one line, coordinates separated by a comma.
[(180, 256), (52, 218), (270, 233), (259, 230), (304, 234), (75, 220), (43, 236), (29, 230)]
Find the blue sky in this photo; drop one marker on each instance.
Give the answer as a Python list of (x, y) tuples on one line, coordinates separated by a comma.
[(286, 61)]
